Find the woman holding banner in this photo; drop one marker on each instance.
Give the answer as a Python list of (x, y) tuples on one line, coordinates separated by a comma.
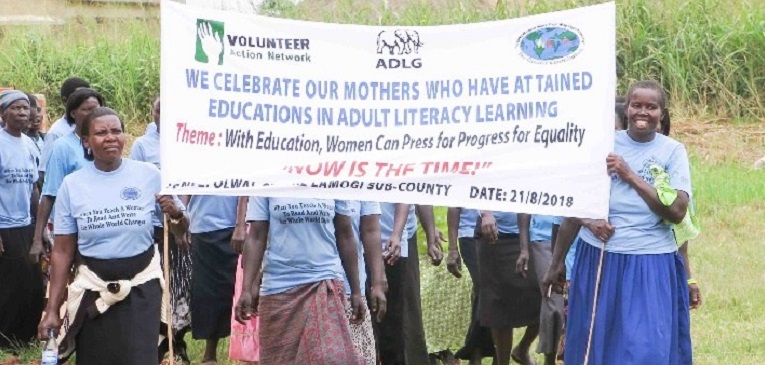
[(104, 226), (302, 303), (640, 271)]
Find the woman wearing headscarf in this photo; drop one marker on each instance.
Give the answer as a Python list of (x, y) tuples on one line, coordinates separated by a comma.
[(65, 158), (642, 273), (302, 302), (21, 293), (104, 227), (146, 149)]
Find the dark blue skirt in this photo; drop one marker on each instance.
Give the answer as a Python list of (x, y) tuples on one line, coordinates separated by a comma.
[(643, 316)]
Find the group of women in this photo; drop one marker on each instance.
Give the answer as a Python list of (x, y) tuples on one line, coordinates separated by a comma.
[(337, 282)]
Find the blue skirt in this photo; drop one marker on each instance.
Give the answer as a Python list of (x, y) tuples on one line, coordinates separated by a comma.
[(643, 316)]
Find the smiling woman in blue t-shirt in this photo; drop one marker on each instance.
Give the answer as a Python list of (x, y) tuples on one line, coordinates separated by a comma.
[(301, 303), (642, 310), (104, 225)]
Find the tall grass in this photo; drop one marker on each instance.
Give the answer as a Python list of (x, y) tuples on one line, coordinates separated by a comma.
[(709, 54), (120, 59)]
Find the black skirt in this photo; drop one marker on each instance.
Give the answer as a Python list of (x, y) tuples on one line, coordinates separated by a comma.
[(21, 289), (128, 332), (478, 338), (212, 283), (506, 299), (388, 333), (180, 293)]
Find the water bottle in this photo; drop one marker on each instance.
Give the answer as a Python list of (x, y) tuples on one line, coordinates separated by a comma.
[(50, 351)]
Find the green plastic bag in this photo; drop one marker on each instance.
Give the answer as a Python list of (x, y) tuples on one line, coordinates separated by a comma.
[(689, 228)]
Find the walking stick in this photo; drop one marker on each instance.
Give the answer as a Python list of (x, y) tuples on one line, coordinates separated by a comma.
[(166, 297), (595, 302)]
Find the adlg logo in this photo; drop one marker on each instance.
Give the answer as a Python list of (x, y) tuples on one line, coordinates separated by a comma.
[(399, 42), (210, 35)]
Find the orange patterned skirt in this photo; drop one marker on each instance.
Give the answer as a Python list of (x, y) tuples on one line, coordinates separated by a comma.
[(307, 325)]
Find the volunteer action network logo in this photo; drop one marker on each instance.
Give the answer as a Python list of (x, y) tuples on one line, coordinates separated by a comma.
[(210, 46), (550, 43), (402, 44)]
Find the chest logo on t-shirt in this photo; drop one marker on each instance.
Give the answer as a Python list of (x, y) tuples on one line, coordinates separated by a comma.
[(129, 193), (645, 170)]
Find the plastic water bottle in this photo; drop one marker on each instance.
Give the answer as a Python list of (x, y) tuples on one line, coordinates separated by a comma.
[(50, 351)]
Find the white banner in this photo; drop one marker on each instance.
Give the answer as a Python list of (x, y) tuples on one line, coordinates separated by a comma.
[(514, 115)]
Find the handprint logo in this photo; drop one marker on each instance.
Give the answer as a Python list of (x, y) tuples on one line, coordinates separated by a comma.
[(210, 41)]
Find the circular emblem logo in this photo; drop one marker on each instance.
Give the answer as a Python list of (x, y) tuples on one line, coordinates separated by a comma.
[(130, 194), (552, 43)]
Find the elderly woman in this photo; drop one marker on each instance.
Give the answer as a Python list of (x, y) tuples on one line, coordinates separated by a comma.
[(302, 301), (643, 275), (104, 226), (65, 158), (21, 292)]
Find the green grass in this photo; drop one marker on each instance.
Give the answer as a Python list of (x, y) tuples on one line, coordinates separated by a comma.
[(120, 59)]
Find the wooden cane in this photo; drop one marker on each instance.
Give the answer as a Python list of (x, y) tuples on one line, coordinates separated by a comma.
[(595, 302), (169, 309)]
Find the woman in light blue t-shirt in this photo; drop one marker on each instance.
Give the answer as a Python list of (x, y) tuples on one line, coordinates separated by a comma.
[(65, 157), (21, 292), (301, 302), (104, 226), (642, 304)]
